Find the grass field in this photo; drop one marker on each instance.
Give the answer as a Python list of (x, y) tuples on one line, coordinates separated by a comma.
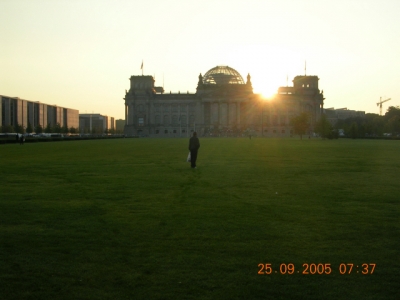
[(129, 219)]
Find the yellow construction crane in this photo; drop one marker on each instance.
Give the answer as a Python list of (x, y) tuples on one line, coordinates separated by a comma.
[(380, 104)]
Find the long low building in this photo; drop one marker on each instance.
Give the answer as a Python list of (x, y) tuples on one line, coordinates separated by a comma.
[(223, 104), (16, 111), (96, 123), (334, 115)]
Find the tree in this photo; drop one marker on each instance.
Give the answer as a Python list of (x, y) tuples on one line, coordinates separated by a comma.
[(323, 127), (38, 129), (57, 128), (300, 124), (8, 128), (48, 129), (64, 129), (361, 130), (29, 129), (392, 118), (370, 124), (393, 125), (73, 130), (353, 130), (19, 128), (334, 134), (378, 124), (392, 111)]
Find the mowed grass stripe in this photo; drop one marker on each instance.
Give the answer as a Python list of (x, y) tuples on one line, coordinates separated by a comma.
[(129, 219)]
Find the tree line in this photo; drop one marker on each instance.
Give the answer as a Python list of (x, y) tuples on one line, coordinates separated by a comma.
[(371, 125), (53, 129), (57, 128)]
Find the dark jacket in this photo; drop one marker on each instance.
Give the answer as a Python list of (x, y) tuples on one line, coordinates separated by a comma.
[(194, 143)]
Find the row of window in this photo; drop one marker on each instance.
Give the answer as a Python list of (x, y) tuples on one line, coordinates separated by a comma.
[(12, 112), (276, 131), (175, 108), (184, 131), (166, 107), (307, 85), (173, 131), (166, 120), (183, 123), (142, 85)]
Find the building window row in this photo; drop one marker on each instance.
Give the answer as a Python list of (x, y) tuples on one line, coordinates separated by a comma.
[(176, 120), (276, 131), (173, 131), (174, 107)]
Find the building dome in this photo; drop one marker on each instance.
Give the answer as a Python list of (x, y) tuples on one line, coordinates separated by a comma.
[(222, 75)]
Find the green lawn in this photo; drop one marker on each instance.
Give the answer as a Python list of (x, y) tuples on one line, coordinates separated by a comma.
[(129, 219)]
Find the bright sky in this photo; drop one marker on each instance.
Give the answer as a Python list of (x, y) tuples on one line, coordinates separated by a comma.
[(80, 54)]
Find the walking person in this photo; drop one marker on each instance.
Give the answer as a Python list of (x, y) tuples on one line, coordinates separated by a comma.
[(194, 145)]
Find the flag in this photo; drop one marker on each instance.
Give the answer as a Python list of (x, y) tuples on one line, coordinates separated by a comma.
[(141, 67)]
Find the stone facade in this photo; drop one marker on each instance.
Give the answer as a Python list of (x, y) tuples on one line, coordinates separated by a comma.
[(223, 105)]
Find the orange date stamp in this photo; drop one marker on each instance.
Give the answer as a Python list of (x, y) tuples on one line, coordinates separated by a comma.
[(316, 268)]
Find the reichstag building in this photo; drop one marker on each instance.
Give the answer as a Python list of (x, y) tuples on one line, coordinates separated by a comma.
[(223, 105)]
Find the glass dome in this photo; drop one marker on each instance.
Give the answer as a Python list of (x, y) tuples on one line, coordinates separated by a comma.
[(222, 75)]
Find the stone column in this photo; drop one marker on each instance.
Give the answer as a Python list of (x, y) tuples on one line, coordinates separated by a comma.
[(200, 122), (199, 113), (238, 113), (271, 120), (147, 114), (187, 120), (227, 114), (220, 113), (126, 114), (131, 115), (287, 118)]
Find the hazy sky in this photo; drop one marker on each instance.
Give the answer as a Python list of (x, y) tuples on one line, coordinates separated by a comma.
[(80, 53)]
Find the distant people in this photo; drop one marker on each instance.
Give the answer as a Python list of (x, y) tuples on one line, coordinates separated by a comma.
[(21, 141), (194, 145)]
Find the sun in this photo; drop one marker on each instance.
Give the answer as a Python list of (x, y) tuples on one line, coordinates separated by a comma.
[(267, 90), (268, 94), (264, 85)]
